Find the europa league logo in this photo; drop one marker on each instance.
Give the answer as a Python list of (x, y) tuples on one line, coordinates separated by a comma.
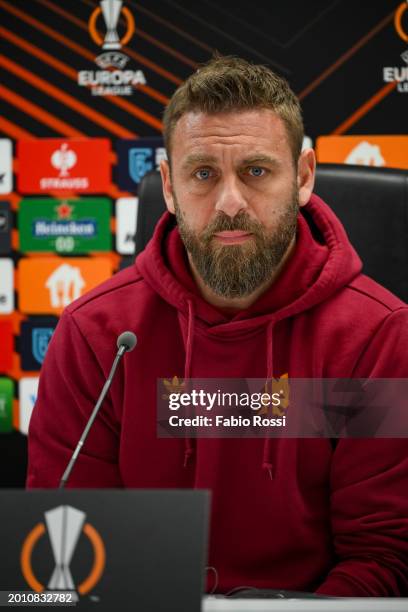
[(111, 10), (65, 525)]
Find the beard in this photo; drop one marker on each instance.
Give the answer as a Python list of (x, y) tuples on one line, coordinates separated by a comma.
[(237, 270)]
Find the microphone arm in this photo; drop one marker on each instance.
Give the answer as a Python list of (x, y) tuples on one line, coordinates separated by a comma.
[(126, 342)]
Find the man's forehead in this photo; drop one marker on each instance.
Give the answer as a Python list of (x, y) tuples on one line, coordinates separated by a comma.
[(255, 134), (229, 121)]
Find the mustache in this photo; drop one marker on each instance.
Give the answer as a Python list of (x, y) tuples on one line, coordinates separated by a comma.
[(223, 223)]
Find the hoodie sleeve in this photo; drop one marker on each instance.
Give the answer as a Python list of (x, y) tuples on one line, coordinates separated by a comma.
[(369, 489), (70, 382)]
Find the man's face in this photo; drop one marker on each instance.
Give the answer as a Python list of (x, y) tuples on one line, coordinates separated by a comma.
[(234, 190)]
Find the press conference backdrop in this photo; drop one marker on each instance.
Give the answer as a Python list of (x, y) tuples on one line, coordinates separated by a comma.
[(83, 90)]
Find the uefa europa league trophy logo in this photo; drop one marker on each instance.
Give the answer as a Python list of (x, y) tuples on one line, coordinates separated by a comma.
[(64, 526), (111, 11)]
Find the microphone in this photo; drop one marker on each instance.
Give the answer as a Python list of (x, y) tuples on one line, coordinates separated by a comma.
[(126, 342)]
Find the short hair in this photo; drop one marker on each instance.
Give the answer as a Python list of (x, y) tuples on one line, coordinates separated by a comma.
[(227, 84)]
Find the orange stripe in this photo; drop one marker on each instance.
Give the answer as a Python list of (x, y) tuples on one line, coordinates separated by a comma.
[(42, 55), (136, 111), (140, 58), (38, 113), (171, 26), (11, 129), (154, 94), (343, 58), (41, 27), (365, 108), (154, 41), (126, 105), (72, 74), (167, 49), (153, 66), (66, 99)]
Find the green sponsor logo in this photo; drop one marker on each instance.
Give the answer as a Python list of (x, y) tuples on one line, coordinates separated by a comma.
[(6, 405), (65, 226)]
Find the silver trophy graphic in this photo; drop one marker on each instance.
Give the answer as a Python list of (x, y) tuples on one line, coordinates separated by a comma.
[(64, 526), (111, 11)]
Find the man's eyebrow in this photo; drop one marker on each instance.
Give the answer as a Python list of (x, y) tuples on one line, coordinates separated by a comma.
[(260, 159), (198, 158)]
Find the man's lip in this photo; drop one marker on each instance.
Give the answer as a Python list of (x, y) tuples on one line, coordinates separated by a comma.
[(234, 237), (233, 234)]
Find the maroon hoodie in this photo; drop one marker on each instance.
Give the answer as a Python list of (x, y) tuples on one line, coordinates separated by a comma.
[(286, 513)]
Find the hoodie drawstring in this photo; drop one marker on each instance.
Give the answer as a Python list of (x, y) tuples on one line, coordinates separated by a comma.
[(267, 450), (189, 443)]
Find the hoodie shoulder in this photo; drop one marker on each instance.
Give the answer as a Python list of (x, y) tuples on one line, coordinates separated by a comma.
[(118, 283), (372, 294)]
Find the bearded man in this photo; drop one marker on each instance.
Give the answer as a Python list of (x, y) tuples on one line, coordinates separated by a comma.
[(256, 279)]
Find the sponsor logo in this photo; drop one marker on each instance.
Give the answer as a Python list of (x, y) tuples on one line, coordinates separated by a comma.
[(126, 221), (379, 151), (5, 228), (65, 525), (63, 159), (115, 78), (49, 284), (6, 286), (6, 352), (79, 165), (27, 390), (307, 143), (140, 163), (399, 73), (136, 158), (65, 285), (34, 339), (72, 226), (6, 166), (365, 154), (40, 340), (6, 405)]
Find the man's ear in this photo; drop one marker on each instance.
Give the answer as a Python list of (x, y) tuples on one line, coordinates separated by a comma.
[(306, 175), (166, 182)]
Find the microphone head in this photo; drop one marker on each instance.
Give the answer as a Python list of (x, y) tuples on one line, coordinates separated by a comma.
[(127, 339)]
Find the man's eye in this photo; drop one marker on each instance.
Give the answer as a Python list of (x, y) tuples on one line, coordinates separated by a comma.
[(203, 174), (256, 171)]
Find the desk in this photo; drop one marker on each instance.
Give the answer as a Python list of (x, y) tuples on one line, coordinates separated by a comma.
[(360, 604)]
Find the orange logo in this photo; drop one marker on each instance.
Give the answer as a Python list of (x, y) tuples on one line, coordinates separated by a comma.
[(111, 10), (398, 21), (379, 151), (281, 387), (64, 524), (49, 284)]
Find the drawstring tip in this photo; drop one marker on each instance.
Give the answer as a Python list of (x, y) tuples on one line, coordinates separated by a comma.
[(268, 467)]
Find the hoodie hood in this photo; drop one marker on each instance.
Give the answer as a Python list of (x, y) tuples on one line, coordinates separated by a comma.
[(323, 261)]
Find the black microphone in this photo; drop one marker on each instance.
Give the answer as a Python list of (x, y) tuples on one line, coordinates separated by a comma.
[(126, 342)]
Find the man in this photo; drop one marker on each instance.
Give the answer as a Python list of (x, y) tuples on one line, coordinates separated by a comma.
[(257, 279)]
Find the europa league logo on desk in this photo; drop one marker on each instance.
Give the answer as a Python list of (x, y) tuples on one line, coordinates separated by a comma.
[(65, 525)]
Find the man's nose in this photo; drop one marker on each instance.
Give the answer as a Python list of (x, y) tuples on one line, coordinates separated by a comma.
[(231, 199)]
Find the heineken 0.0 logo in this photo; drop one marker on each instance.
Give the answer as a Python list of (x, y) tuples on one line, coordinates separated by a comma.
[(65, 226)]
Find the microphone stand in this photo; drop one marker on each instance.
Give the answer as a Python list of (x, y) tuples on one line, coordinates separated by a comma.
[(122, 350)]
